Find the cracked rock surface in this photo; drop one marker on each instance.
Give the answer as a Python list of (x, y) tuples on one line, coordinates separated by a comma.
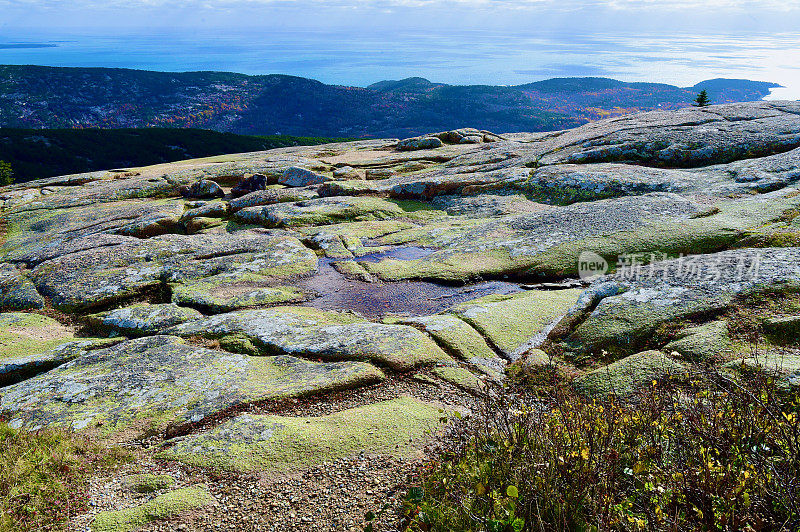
[(312, 312)]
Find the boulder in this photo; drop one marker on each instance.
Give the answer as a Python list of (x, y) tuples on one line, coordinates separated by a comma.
[(346, 172), (17, 292), (626, 317), (143, 319), (250, 184), (709, 342), (203, 189), (630, 375), (380, 173), (300, 177), (510, 322), (419, 143)]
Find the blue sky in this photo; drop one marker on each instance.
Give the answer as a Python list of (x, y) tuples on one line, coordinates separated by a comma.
[(712, 15)]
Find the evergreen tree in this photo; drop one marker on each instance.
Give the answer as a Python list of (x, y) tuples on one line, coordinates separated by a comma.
[(702, 99), (6, 173)]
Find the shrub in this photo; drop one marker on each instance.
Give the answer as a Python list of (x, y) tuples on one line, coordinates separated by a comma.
[(44, 476), (6, 173), (717, 454)]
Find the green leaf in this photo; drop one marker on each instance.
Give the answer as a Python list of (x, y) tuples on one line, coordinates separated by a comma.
[(370, 516), (414, 494), (512, 492)]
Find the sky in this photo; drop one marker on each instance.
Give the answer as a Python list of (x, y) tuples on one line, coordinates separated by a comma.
[(454, 41), (706, 15)]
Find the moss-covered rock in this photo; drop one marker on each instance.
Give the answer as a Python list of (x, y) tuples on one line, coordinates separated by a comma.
[(548, 243), (630, 375), (457, 338), (161, 507), (95, 277), (39, 235), (706, 342), (784, 329), (458, 376), (17, 365), (143, 319), (264, 443), (316, 333), (681, 288), (221, 294), (151, 383), (784, 365), (17, 292), (509, 321), (322, 211)]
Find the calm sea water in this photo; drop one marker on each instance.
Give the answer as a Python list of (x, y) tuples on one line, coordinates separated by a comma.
[(480, 57)]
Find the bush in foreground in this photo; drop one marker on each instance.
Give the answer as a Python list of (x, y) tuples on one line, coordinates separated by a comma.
[(44, 476), (717, 454)]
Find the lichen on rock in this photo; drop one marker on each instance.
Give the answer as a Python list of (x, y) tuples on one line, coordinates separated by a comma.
[(267, 443)]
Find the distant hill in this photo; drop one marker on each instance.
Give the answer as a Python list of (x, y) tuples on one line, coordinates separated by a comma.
[(47, 97), (38, 153)]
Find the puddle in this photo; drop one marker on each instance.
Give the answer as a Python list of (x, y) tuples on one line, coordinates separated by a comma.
[(375, 300), (400, 253)]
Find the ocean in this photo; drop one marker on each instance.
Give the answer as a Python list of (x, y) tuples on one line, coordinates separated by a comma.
[(468, 57)]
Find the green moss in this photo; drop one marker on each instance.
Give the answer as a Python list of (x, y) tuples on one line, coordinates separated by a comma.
[(315, 333), (23, 334), (358, 230), (262, 443), (455, 336), (348, 209), (703, 343), (162, 507), (351, 268), (148, 482), (559, 194), (509, 321), (414, 205), (629, 375), (456, 266), (707, 234), (239, 343), (220, 294), (463, 378)]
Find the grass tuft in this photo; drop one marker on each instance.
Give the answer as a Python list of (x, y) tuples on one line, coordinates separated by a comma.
[(44, 476)]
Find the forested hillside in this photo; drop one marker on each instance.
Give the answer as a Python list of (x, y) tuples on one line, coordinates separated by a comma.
[(46, 97)]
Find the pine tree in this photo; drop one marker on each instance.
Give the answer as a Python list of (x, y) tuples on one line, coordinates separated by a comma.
[(702, 99), (6, 173)]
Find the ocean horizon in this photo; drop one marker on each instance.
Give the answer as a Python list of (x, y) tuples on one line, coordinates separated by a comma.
[(492, 58)]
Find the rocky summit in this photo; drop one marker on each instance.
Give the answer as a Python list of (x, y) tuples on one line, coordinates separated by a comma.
[(261, 326)]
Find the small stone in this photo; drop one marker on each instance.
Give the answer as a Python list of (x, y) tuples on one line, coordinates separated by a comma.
[(203, 189)]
